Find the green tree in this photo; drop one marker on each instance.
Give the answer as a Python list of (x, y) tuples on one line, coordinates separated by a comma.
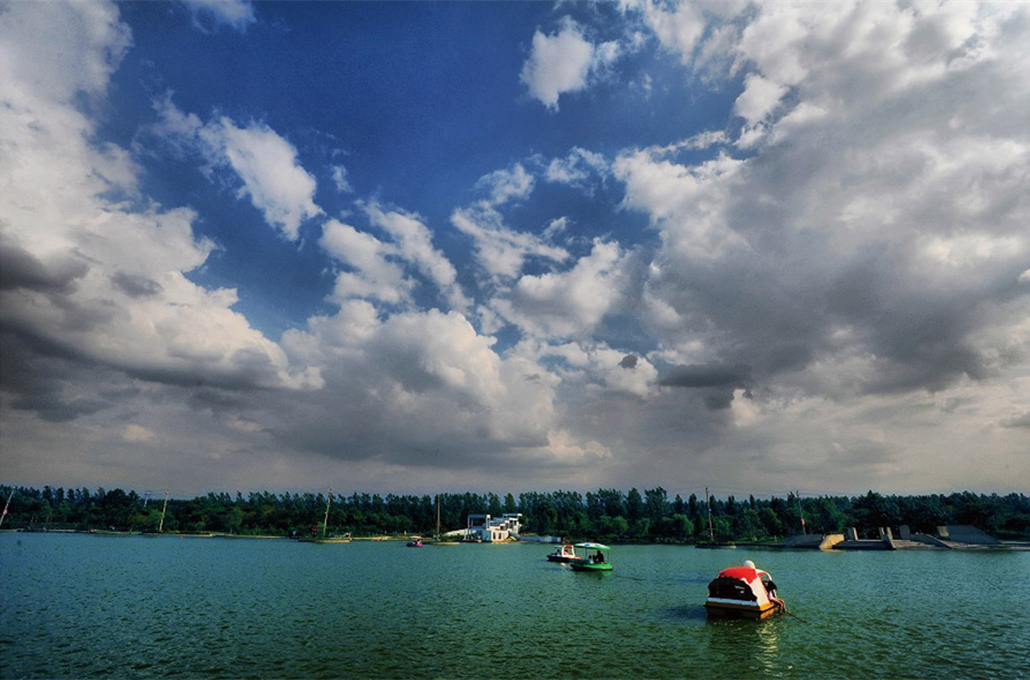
[(634, 505)]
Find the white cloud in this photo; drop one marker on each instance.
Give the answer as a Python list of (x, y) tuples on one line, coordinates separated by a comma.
[(414, 244), (558, 64), (41, 71), (237, 14), (760, 97), (272, 177), (340, 179), (376, 277), (265, 162), (501, 251), (679, 30), (576, 168), (688, 203), (599, 369), (571, 303), (506, 185)]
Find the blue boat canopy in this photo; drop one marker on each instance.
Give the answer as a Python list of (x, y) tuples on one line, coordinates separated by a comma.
[(593, 546)]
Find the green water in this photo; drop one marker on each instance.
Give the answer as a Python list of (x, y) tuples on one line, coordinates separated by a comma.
[(79, 606)]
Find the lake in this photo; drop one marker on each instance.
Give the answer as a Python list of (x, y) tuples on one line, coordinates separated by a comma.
[(78, 606)]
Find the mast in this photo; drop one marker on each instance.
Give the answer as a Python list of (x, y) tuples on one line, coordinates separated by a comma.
[(7, 505), (801, 513), (711, 530), (164, 508), (437, 516), (328, 501)]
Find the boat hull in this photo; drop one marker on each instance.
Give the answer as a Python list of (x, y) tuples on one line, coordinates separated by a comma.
[(741, 610), (580, 565), (563, 559)]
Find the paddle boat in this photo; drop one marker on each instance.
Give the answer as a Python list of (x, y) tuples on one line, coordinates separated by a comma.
[(565, 554), (415, 542), (599, 561), (743, 592)]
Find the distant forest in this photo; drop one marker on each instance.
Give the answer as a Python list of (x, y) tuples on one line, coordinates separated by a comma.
[(607, 514)]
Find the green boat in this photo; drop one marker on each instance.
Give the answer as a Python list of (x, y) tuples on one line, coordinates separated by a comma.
[(599, 561)]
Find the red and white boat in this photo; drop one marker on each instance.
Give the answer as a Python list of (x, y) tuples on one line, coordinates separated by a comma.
[(565, 554), (743, 592)]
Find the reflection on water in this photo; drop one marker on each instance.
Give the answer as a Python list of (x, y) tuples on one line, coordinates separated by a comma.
[(754, 643), (77, 606)]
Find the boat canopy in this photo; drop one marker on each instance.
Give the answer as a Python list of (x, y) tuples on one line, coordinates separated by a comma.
[(747, 574), (593, 546)]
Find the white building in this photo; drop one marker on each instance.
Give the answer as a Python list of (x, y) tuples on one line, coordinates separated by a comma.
[(485, 529)]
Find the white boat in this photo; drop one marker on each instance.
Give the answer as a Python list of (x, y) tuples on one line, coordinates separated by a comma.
[(743, 592)]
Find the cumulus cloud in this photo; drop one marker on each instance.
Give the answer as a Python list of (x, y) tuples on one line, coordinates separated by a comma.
[(272, 177), (679, 30), (380, 270), (418, 388), (88, 276), (264, 162), (375, 276), (506, 185), (557, 64), (577, 168), (759, 98), (500, 250), (833, 280), (570, 303), (564, 62), (688, 203), (414, 244), (896, 249)]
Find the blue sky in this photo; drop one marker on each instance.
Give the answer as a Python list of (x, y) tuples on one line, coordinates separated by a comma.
[(507, 246)]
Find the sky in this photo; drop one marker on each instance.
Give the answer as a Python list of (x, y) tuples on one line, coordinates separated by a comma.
[(490, 246)]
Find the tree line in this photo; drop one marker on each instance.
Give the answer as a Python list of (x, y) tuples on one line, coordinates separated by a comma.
[(605, 514)]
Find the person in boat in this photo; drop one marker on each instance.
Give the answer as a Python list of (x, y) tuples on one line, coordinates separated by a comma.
[(770, 587)]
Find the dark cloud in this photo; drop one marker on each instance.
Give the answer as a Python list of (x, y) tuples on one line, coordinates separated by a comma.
[(136, 285), (716, 382), (53, 387), (21, 269), (710, 375), (1022, 421), (629, 361)]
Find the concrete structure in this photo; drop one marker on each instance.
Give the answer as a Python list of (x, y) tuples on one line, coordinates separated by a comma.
[(486, 529), (885, 542), (963, 533)]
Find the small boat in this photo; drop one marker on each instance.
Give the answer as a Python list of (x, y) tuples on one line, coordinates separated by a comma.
[(743, 592), (415, 542), (565, 554), (599, 561)]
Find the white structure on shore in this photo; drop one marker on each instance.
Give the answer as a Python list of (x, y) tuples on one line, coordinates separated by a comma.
[(485, 529)]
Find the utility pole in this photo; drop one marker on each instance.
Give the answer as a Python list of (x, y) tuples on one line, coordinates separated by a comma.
[(164, 508), (711, 530), (801, 512), (328, 501), (7, 505)]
